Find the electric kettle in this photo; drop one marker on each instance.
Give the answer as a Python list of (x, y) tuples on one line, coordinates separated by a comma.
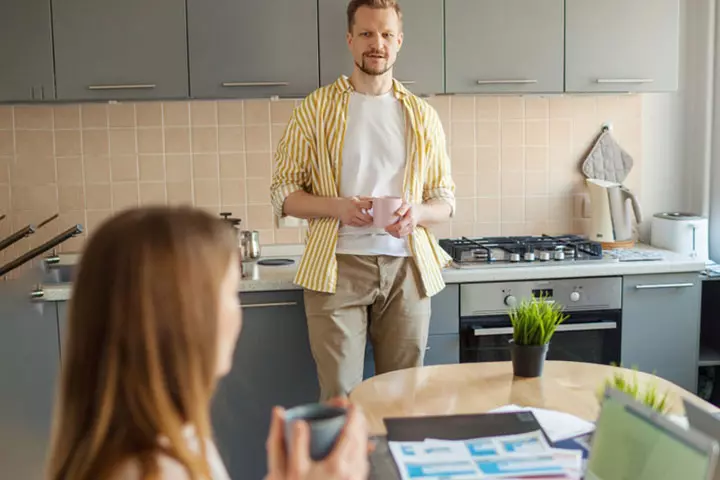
[(611, 213)]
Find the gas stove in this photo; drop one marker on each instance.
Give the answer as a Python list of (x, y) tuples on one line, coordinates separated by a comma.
[(518, 250)]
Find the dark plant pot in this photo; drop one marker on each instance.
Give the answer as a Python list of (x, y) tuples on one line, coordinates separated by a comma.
[(528, 360)]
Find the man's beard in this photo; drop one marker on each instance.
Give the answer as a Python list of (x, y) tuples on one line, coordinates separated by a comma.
[(373, 71)]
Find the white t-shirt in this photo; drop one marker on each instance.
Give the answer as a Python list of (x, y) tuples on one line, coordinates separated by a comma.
[(373, 165), (171, 469)]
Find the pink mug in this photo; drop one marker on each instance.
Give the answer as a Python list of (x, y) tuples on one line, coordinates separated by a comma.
[(384, 209)]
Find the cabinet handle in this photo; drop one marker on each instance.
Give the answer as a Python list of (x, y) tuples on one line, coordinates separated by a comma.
[(255, 84), (264, 305), (665, 285), (506, 82), (129, 86), (35, 294), (625, 80), (574, 327), (52, 260)]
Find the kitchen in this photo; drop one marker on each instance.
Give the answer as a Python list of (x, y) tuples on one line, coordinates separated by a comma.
[(181, 113)]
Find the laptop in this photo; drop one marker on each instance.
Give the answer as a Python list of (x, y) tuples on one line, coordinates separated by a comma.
[(631, 441), (704, 422)]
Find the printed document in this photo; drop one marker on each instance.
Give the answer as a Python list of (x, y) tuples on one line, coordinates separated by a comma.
[(505, 457)]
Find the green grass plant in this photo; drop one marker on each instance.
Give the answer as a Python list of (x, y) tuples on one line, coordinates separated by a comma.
[(535, 321)]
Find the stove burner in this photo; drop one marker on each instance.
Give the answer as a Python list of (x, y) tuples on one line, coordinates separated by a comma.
[(502, 250)]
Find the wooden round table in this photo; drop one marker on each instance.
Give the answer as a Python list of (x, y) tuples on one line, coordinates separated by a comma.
[(478, 387)]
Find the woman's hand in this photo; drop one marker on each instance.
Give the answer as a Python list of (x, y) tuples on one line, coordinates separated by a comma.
[(347, 461)]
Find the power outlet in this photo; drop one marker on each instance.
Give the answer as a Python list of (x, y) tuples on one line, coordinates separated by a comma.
[(586, 207)]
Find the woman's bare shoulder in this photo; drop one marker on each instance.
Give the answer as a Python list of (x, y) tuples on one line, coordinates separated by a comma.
[(170, 469)]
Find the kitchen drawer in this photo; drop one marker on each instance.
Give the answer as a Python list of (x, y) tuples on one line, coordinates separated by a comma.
[(278, 298)]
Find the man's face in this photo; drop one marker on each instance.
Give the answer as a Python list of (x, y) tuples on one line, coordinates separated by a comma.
[(375, 39)]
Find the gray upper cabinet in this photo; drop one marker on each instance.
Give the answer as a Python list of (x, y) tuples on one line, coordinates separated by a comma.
[(622, 46), (420, 62), (250, 48), (106, 49), (26, 56), (500, 46)]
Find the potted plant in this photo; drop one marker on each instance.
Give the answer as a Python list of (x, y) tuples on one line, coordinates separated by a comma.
[(649, 395), (534, 322)]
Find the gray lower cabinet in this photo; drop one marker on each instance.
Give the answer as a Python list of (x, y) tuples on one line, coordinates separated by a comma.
[(26, 51), (272, 366), (622, 46), (250, 48), (106, 49), (503, 46), (29, 365), (420, 62), (661, 326)]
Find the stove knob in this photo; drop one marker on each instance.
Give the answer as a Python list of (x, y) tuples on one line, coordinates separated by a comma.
[(511, 301), (544, 256), (529, 256), (559, 255), (514, 257), (574, 296)]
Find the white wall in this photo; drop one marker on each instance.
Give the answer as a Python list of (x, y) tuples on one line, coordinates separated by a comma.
[(676, 126)]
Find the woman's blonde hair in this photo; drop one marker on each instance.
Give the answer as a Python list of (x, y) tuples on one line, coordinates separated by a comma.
[(139, 362)]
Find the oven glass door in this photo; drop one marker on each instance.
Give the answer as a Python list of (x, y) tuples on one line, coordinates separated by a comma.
[(586, 337)]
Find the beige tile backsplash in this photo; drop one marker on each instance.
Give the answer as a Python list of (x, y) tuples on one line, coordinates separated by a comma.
[(515, 161)]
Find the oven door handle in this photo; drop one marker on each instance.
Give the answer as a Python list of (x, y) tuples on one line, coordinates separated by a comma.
[(573, 327)]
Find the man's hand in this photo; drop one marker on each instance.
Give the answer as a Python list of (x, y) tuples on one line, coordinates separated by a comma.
[(409, 219), (353, 211)]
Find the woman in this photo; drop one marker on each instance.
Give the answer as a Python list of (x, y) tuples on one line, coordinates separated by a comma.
[(152, 325)]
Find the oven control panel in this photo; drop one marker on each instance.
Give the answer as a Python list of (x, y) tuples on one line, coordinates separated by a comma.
[(575, 294)]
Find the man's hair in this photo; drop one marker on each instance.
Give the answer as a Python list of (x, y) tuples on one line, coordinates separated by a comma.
[(378, 4)]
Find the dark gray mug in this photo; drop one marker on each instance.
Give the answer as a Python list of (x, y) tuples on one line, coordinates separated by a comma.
[(325, 422)]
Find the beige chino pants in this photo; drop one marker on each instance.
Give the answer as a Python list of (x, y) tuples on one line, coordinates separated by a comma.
[(379, 295)]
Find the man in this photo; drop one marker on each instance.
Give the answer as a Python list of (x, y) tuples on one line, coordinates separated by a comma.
[(362, 137)]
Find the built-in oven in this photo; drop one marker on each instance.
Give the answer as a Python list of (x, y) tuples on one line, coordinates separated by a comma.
[(591, 333)]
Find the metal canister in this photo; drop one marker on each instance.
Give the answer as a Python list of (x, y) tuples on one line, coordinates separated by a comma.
[(250, 244)]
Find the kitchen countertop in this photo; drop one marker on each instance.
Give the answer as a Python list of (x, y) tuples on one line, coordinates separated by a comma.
[(273, 278)]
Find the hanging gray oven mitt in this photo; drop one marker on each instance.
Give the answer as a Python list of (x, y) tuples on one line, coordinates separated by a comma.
[(607, 160)]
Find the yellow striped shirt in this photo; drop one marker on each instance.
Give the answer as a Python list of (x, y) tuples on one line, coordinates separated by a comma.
[(309, 157)]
